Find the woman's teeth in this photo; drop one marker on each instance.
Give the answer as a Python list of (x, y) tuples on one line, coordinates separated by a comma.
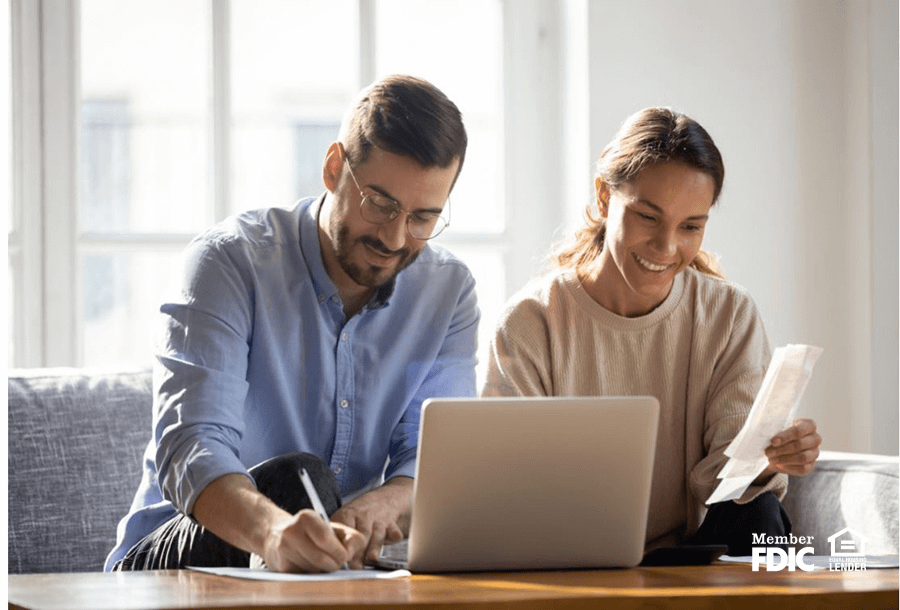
[(648, 265)]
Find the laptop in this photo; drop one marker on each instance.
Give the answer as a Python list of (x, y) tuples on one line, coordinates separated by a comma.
[(530, 483)]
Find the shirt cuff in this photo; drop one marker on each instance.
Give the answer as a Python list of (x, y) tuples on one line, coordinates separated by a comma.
[(197, 469), (407, 469)]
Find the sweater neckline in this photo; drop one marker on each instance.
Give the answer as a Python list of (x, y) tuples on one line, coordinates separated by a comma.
[(586, 302)]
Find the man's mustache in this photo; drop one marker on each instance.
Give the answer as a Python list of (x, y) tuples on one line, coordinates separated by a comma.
[(378, 246)]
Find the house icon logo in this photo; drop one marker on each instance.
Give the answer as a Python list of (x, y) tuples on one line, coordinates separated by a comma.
[(847, 543)]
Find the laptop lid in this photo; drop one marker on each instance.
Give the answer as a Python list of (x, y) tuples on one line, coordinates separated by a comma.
[(532, 483)]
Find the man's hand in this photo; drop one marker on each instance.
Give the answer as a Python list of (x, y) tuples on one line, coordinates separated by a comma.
[(794, 450), (304, 543), (232, 508), (382, 516)]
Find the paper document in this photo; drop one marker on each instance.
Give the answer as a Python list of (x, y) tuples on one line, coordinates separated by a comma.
[(773, 410), (264, 574)]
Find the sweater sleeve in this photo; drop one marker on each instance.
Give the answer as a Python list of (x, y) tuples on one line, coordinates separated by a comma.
[(519, 360), (736, 379)]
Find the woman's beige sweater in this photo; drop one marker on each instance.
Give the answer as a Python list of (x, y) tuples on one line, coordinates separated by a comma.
[(702, 353)]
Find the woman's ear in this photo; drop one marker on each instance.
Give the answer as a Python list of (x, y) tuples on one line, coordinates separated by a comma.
[(331, 167), (602, 191)]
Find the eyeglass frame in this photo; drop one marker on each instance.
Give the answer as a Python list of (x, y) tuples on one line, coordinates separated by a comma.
[(398, 209)]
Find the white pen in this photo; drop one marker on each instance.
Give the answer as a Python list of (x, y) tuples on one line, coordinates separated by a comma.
[(316, 502)]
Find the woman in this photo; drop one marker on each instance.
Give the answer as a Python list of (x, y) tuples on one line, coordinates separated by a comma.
[(635, 307)]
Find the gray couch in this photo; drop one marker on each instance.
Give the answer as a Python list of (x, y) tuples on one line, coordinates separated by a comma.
[(76, 438)]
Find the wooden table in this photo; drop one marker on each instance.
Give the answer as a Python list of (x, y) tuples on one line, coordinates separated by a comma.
[(713, 587)]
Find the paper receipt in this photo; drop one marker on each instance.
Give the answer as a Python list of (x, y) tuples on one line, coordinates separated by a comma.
[(773, 410)]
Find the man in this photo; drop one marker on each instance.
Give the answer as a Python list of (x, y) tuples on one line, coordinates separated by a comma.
[(308, 338)]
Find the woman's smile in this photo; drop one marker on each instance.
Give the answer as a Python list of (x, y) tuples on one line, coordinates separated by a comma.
[(651, 266)]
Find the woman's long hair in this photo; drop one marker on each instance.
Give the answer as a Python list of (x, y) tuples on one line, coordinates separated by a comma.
[(648, 137)]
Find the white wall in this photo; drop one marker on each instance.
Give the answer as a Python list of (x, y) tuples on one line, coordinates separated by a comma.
[(785, 89), (883, 55)]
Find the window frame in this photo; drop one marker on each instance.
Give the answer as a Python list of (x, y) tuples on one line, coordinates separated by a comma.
[(45, 242), (43, 176)]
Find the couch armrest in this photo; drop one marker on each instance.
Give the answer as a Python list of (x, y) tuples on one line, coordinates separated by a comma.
[(859, 491)]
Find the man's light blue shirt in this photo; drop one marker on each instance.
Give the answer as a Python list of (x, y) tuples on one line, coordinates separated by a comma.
[(257, 360)]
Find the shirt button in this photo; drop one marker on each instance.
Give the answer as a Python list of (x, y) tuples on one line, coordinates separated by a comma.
[(322, 298), (336, 299), (344, 336), (344, 404), (337, 469)]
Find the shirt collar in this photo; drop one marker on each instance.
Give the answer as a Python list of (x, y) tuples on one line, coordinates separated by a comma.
[(383, 295), (312, 250)]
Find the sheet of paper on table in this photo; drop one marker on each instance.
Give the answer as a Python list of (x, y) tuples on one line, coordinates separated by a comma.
[(264, 574), (773, 410)]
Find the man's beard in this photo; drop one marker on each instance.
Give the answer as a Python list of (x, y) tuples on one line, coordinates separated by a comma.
[(368, 275)]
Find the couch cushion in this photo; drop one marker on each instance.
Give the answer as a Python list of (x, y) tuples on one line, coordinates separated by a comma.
[(76, 438), (859, 491)]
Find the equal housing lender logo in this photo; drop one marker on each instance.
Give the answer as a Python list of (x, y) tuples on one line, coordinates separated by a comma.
[(848, 552)]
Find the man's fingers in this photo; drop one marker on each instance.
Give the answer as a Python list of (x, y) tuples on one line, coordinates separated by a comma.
[(303, 555), (393, 535), (355, 544), (324, 549), (378, 516), (376, 541), (308, 543), (348, 518)]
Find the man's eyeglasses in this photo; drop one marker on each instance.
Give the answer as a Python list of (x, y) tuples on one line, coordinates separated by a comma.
[(380, 210)]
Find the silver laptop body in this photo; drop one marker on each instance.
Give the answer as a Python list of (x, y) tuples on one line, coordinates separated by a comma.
[(532, 483)]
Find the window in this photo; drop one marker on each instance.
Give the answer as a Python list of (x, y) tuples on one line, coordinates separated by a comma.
[(477, 232), (143, 166), (290, 82), (231, 109), (6, 168)]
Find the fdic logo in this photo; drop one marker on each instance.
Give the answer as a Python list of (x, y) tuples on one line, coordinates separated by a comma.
[(777, 558), (848, 552)]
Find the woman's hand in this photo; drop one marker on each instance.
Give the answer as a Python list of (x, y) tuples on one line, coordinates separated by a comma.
[(794, 451)]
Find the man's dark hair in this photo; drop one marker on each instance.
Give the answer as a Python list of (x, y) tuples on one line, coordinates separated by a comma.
[(407, 116)]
